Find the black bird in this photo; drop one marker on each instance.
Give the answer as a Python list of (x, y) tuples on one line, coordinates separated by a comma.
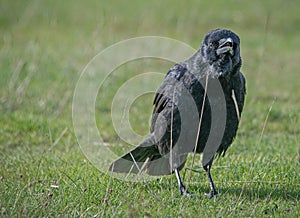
[(196, 109)]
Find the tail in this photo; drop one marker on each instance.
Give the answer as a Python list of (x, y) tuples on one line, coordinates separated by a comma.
[(144, 158)]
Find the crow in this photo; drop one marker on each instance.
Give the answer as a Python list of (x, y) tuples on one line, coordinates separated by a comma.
[(196, 109)]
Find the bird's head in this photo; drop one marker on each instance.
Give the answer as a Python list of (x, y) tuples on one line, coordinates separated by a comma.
[(221, 50)]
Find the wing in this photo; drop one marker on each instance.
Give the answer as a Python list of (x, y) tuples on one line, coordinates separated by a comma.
[(163, 100), (176, 106), (239, 87), (162, 96), (165, 108)]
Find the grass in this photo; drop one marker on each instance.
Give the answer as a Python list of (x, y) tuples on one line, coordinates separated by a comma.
[(44, 45)]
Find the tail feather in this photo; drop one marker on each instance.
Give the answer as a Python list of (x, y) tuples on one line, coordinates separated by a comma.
[(135, 160), (145, 157)]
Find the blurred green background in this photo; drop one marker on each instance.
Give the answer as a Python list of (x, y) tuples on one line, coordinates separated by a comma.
[(44, 46)]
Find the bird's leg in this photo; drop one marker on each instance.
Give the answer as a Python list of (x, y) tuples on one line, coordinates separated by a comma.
[(213, 192), (182, 189)]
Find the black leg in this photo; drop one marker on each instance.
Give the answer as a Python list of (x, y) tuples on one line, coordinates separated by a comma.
[(182, 189), (213, 192)]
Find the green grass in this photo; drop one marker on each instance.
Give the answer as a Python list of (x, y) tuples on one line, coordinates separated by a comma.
[(44, 46)]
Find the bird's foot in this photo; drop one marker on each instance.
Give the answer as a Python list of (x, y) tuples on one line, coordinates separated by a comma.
[(211, 194), (183, 190)]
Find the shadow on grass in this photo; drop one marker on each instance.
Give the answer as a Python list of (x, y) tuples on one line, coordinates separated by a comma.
[(253, 191)]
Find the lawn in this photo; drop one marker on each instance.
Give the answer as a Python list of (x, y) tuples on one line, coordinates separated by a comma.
[(44, 47)]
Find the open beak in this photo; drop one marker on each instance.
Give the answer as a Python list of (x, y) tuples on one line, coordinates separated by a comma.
[(225, 45)]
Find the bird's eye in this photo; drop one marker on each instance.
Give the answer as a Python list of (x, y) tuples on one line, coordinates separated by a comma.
[(214, 44)]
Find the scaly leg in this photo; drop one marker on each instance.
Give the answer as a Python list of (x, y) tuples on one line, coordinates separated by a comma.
[(213, 192), (182, 189)]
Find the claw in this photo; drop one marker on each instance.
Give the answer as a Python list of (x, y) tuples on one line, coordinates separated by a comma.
[(212, 194), (185, 192)]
